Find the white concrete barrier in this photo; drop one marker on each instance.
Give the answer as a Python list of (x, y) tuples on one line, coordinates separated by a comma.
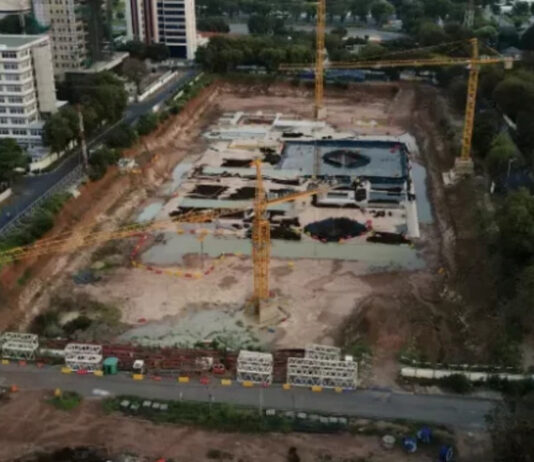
[(4, 195), (417, 372)]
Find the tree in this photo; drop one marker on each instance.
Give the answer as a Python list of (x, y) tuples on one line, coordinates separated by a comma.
[(437, 8), (213, 25), (514, 94), (57, 132), (430, 33), (516, 225), (527, 39), (361, 8), (121, 137), (11, 24), (136, 49), (12, 157), (147, 123), (521, 9), (157, 52), (487, 34), (381, 10), (258, 24), (502, 151), (525, 134), (487, 123), (134, 69)]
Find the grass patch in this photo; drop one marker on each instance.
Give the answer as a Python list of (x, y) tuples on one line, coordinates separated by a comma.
[(220, 416), (67, 401)]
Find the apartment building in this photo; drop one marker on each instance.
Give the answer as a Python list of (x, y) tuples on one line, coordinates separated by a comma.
[(27, 89), (68, 33), (171, 22)]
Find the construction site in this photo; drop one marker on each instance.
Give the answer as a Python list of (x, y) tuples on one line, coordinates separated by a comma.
[(358, 225)]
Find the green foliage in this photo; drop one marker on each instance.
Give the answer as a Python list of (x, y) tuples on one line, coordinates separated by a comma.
[(58, 132), (223, 54), (525, 134), (82, 322), (100, 161), (157, 52), (36, 225), (67, 401), (122, 136), (219, 416), (12, 157), (516, 224), (487, 123), (527, 39), (139, 50), (11, 24), (134, 69), (515, 94), (147, 123), (429, 33), (502, 152), (213, 24), (381, 10)]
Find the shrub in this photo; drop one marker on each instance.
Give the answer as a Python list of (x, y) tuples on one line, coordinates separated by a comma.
[(67, 401), (457, 383), (122, 137), (147, 123)]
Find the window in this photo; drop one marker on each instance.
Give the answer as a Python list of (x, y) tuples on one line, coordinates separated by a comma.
[(3, 110), (17, 121), (17, 131), (4, 131), (3, 120), (13, 88), (36, 132), (16, 110), (9, 54), (14, 99), (11, 77), (11, 66)]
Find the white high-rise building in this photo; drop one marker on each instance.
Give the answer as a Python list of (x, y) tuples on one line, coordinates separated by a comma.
[(27, 89), (175, 26), (171, 22)]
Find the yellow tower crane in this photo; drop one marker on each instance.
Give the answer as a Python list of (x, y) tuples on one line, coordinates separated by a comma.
[(320, 111), (464, 163), (68, 241)]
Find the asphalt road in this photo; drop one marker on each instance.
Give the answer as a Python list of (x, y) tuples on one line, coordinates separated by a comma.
[(457, 411), (30, 188)]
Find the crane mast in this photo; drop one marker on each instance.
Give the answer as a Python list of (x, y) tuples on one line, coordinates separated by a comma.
[(320, 112)]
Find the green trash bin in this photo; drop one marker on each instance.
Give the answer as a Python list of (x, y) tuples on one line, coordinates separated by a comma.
[(111, 366)]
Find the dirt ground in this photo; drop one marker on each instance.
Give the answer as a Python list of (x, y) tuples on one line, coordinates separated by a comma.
[(328, 302), (28, 424)]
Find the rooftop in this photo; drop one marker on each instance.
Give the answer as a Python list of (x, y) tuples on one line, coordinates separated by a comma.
[(18, 41)]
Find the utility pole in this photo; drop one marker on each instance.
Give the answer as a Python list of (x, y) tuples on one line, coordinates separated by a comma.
[(83, 145)]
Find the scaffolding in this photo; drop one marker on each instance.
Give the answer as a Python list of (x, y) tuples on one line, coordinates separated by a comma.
[(255, 367), (309, 372), (17, 345), (324, 352), (83, 357)]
